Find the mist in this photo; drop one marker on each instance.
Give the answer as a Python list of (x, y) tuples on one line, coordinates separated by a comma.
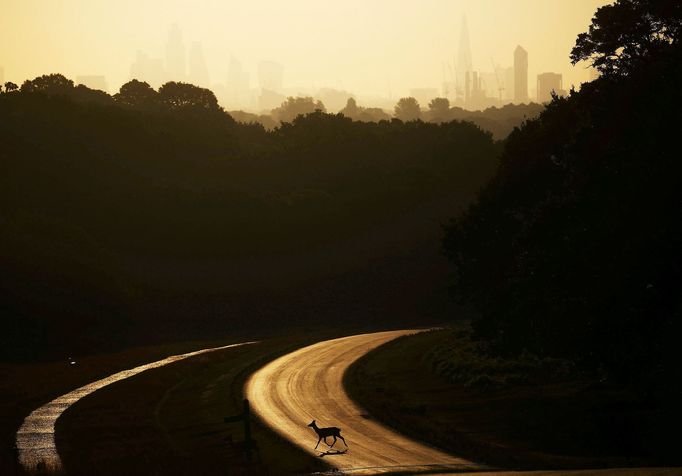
[(377, 51)]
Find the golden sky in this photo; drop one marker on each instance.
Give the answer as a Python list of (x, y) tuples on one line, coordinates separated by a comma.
[(365, 46)]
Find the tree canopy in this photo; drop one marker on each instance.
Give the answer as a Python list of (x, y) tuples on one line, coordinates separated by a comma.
[(138, 95), (177, 95), (407, 109), (296, 106), (626, 33)]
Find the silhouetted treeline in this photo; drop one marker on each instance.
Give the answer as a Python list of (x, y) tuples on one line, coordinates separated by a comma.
[(107, 202), (500, 121), (574, 249)]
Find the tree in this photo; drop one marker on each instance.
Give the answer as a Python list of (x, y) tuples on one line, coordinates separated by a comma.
[(137, 95), (407, 109), (10, 86), (175, 95), (351, 110), (439, 108), (624, 34), (297, 106), (52, 84)]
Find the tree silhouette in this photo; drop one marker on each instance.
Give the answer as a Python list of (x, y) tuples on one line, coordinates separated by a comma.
[(627, 32), (439, 108), (10, 86), (296, 106), (137, 95), (176, 95), (407, 109), (52, 84), (351, 110)]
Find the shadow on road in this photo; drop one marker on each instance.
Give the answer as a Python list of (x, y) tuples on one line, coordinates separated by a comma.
[(333, 453)]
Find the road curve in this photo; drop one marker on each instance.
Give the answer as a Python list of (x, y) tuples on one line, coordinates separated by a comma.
[(288, 393), (35, 438)]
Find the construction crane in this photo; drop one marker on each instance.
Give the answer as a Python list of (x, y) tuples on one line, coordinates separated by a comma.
[(500, 87)]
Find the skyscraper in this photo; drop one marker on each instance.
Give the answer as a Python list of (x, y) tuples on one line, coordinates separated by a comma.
[(237, 84), (198, 71), (464, 65), (270, 75), (520, 75), (548, 83), (175, 55), (148, 69)]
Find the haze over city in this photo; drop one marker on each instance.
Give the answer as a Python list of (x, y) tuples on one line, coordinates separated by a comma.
[(378, 51), (298, 237)]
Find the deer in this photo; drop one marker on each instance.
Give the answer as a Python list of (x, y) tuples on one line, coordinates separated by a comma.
[(323, 433)]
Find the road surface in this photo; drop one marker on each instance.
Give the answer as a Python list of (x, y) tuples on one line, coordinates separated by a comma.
[(35, 438), (290, 392)]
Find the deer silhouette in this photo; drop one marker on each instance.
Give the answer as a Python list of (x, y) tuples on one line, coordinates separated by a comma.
[(324, 433)]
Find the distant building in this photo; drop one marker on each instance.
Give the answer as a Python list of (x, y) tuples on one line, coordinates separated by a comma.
[(424, 95), (237, 90), (198, 71), (93, 82), (490, 84), (508, 75), (269, 100), (270, 76), (333, 99), (548, 83), (148, 69), (520, 75), (464, 63), (175, 55)]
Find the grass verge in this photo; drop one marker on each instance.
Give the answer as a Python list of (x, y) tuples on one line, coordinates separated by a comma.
[(164, 421), (523, 413)]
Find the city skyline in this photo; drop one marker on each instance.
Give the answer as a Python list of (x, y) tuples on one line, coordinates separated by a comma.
[(376, 50)]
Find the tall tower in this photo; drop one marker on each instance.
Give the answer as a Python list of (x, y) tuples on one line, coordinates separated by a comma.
[(270, 75), (175, 55), (464, 66), (520, 75), (237, 84), (198, 71)]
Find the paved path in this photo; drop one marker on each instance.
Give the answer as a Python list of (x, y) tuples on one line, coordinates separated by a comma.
[(291, 391)]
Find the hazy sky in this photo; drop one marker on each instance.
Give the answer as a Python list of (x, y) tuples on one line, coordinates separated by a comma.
[(358, 45)]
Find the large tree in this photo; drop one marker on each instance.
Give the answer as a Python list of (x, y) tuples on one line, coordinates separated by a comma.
[(627, 32), (297, 106), (52, 84), (137, 95), (407, 109), (176, 95), (439, 108)]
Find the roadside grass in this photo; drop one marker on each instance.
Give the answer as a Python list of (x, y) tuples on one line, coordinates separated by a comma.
[(25, 387), (171, 421), (164, 421), (524, 413), (464, 361)]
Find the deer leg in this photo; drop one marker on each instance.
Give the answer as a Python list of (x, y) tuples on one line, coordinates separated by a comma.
[(333, 442), (318, 442), (344, 440)]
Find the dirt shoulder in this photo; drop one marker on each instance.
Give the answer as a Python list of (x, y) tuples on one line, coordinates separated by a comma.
[(508, 414)]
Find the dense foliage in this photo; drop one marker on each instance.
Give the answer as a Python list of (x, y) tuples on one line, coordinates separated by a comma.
[(573, 250), (105, 200)]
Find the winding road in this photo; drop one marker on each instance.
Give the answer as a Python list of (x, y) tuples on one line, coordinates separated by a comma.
[(288, 393)]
